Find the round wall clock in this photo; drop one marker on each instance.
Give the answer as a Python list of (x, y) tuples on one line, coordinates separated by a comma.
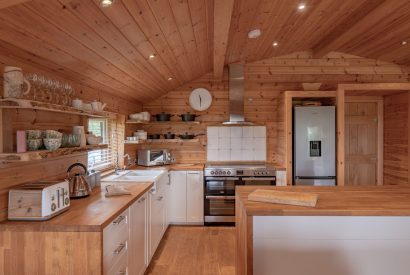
[(200, 99)]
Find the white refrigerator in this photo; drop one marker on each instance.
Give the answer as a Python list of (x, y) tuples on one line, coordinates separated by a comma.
[(314, 146)]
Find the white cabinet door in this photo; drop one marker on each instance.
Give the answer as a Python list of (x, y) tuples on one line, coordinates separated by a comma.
[(177, 197), (195, 197), (281, 178), (157, 220), (137, 250)]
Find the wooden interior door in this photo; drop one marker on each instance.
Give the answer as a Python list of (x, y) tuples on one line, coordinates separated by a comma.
[(363, 143)]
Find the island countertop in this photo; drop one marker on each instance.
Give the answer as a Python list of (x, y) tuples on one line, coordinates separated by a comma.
[(334, 201), (340, 201), (90, 214)]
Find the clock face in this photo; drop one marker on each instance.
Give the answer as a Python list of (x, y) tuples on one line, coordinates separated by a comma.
[(200, 99)]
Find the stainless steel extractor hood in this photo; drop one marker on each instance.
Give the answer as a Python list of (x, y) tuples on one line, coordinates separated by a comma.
[(236, 95)]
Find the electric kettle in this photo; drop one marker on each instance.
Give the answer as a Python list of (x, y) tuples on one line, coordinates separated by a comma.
[(79, 187)]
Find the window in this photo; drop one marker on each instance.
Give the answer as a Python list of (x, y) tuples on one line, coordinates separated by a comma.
[(107, 129)]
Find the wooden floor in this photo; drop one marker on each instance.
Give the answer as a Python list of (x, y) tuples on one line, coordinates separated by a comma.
[(195, 250)]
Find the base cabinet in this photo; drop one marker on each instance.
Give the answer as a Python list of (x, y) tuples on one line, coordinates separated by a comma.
[(186, 197), (137, 252)]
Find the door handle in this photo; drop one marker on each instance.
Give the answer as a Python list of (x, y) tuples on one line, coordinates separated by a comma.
[(118, 220), (119, 249), (220, 197)]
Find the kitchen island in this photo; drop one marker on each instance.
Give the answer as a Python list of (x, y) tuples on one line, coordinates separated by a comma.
[(351, 231)]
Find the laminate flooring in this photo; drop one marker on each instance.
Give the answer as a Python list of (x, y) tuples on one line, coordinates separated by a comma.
[(195, 250)]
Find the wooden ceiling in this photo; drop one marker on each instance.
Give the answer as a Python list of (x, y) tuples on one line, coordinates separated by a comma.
[(108, 48), (368, 28)]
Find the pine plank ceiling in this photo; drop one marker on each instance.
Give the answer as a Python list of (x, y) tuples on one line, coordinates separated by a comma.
[(108, 48)]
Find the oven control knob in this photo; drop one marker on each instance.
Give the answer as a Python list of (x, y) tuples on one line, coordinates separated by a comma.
[(229, 172), (53, 207), (212, 172), (224, 172)]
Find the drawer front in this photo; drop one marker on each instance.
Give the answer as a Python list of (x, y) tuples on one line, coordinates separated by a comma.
[(115, 240), (120, 267)]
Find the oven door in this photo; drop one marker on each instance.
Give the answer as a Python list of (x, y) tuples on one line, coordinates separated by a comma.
[(219, 209), (220, 199), (220, 186), (258, 181)]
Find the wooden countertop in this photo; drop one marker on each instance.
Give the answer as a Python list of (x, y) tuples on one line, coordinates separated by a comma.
[(333, 201), (91, 214), (174, 167)]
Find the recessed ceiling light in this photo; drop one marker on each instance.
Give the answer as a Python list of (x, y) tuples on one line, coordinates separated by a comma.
[(151, 56), (106, 3), (275, 44), (301, 6), (254, 33), (170, 78), (404, 42)]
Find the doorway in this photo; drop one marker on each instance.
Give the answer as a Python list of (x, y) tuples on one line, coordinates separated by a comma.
[(364, 141)]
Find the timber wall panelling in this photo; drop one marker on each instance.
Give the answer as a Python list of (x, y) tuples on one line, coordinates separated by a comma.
[(265, 83)]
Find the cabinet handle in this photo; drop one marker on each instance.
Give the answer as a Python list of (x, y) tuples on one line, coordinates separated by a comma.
[(160, 198), (118, 220), (122, 272), (119, 249), (193, 173)]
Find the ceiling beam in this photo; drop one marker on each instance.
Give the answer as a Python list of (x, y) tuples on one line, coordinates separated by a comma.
[(9, 3), (368, 15), (222, 22)]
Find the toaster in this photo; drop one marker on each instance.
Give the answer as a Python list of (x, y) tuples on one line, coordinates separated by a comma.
[(38, 201)]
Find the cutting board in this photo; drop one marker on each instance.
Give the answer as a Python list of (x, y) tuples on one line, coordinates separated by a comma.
[(284, 197)]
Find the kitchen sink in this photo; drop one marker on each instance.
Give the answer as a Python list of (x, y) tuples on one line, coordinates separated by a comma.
[(144, 173), (136, 176)]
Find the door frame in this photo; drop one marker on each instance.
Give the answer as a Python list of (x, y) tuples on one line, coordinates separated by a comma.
[(341, 88), (289, 95), (380, 130)]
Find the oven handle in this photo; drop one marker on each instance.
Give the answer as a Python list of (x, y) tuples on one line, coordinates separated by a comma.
[(258, 179), (220, 197), (221, 178)]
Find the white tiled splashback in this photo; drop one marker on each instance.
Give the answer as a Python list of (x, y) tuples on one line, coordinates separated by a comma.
[(236, 143)]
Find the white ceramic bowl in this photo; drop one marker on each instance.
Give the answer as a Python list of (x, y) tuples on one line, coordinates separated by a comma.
[(52, 144), (137, 116), (93, 140)]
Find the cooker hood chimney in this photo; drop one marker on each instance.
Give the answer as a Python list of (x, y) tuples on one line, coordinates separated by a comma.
[(236, 95)]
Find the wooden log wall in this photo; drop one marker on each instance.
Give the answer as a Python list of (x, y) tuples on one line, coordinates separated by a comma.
[(396, 139), (265, 82), (20, 119)]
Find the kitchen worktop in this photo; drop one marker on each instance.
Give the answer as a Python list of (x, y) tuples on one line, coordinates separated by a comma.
[(88, 214), (340, 211), (337, 201), (175, 167)]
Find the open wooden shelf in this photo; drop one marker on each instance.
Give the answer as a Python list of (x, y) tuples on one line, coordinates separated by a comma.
[(133, 121), (177, 140), (130, 121), (45, 154), (37, 105), (134, 141)]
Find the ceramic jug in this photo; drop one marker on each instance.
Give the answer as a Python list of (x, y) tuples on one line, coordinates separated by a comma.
[(14, 83), (97, 105), (77, 103)]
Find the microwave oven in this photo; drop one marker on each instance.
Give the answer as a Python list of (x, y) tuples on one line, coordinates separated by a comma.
[(150, 157)]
